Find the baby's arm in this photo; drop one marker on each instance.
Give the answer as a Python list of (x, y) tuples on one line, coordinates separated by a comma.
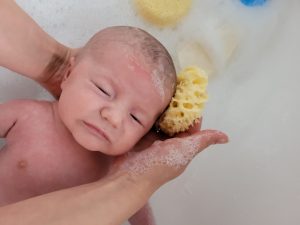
[(143, 217), (8, 117)]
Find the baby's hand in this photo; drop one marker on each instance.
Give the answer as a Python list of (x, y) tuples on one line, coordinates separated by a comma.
[(166, 159)]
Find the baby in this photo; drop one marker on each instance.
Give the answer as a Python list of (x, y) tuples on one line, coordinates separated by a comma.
[(112, 93)]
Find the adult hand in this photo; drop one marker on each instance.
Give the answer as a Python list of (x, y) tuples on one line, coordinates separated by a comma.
[(56, 70), (34, 54), (164, 159)]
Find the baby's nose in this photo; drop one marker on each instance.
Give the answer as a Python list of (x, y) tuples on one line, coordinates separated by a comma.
[(112, 115)]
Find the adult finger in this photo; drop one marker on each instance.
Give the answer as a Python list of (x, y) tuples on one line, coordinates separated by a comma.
[(209, 137), (190, 146)]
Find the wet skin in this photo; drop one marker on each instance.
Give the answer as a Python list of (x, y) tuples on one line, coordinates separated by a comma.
[(55, 145)]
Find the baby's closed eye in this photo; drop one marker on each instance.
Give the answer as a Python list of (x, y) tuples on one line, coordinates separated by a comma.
[(103, 90), (136, 119)]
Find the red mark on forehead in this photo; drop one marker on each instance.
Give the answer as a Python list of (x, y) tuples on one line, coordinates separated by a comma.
[(136, 66)]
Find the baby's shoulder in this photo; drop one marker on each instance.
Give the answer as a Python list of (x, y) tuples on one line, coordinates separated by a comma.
[(24, 107)]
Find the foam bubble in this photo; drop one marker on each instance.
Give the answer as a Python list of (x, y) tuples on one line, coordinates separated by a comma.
[(159, 82), (174, 153), (160, 78)]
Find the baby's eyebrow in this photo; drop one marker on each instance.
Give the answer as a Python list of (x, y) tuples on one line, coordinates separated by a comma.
[(145, 115), (142, 111), (106, 79)]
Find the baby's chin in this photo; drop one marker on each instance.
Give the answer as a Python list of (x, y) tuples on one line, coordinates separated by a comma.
[(97, 145), (91, 143)]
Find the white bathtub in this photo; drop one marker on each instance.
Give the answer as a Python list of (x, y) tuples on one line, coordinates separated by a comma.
[(253, 180)]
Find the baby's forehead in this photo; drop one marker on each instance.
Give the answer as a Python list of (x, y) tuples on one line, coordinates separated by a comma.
[(119, 53), (125, 56), (108, 46)]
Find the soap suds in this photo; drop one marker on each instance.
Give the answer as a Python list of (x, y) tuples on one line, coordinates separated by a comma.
[(176, 154), (158, 82), (160, 79)]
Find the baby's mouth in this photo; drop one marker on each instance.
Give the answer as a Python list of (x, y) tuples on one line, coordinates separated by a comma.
[(97, 131)]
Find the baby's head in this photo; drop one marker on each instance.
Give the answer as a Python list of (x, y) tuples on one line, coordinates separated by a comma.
[(118, 85)]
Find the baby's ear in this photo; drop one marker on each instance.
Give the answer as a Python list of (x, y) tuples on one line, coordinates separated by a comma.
[(68, 71)]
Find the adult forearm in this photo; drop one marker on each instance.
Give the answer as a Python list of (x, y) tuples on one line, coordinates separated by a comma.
[(143, 216), (24, 47), (108, 202)]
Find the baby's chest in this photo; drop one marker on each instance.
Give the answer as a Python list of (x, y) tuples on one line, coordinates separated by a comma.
[(38, 151), (40, 161)]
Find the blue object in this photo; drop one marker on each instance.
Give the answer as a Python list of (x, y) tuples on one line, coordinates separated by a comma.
[(253, 2)]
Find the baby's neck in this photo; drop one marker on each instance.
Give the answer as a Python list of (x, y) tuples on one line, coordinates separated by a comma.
[(58, 122)]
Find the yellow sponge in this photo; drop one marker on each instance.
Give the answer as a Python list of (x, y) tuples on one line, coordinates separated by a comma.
[(188, 102), (163, 12)]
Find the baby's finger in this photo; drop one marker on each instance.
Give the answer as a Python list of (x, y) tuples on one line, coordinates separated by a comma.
[(193, 129), (196, 127), (200, 123)]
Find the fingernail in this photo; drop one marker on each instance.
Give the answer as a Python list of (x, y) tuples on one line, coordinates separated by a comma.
[(222, 141)]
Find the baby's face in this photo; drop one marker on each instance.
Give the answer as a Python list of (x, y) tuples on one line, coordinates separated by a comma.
[(109, 104)]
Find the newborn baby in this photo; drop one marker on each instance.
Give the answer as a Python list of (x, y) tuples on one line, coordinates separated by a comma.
[(112, 93)]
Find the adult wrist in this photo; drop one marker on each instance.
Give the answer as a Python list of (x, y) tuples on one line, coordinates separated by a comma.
[(142, 182), (55, 69)]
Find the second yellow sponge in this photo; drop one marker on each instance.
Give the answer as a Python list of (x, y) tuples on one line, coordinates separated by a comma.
[(163, 12)]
